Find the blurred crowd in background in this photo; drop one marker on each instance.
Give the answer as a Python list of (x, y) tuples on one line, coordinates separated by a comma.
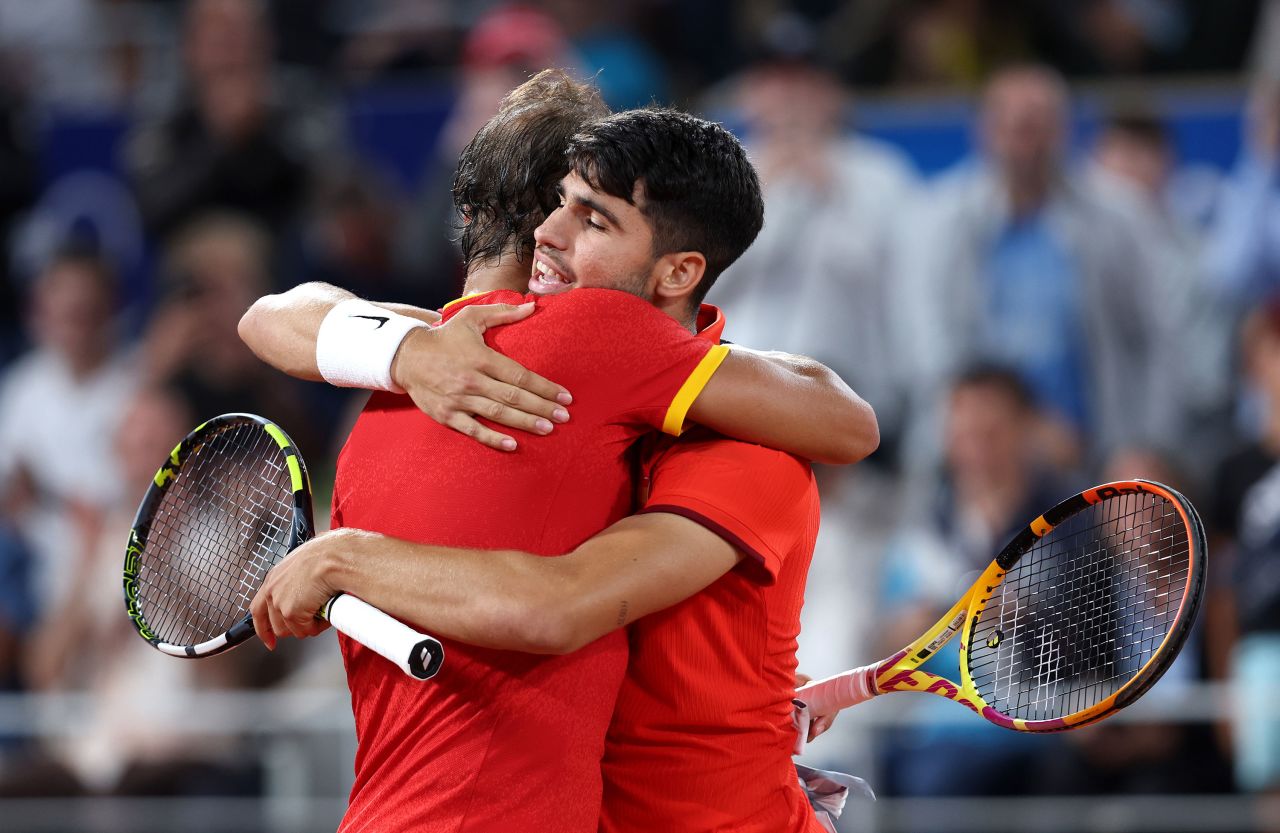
[(1050, 312)]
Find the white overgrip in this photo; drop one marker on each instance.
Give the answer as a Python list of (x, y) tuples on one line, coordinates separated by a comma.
[(416, 654)]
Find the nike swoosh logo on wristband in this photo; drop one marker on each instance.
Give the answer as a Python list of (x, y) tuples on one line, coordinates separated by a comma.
[(381, 319)]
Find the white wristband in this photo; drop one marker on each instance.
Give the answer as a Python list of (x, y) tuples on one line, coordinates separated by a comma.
[(357, 343)]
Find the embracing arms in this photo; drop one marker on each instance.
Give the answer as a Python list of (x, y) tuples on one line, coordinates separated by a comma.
[(499, 599), (282, 329), (775, 399), (790, 403), (450, 373)]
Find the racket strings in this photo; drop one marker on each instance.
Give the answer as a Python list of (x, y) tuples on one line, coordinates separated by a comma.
[(1084, 610), (222, 523)]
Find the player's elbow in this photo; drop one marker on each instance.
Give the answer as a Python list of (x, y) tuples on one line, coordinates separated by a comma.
[(553, 611), (847, 429), (863, 436), (252, 326), (556, 636), (856, 436), (539, 627)]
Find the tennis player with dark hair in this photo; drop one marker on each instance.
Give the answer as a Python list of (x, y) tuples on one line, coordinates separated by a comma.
[(534, 774), (454, 377)]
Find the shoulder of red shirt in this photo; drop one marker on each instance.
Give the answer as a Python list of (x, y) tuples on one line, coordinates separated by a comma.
[(756, 498)]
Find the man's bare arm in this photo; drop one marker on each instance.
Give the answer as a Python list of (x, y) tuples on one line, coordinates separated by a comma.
[(449, 371), (281, 329), (790, 403), (499, 599)]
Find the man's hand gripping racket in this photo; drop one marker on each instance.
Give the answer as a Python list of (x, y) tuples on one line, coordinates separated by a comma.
[(1076, 618), (229, 503)]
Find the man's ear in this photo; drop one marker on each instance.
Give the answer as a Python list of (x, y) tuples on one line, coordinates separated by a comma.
[(681, 272)]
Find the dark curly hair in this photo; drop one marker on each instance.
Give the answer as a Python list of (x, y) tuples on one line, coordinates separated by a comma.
[(698, 189), (507, 175)]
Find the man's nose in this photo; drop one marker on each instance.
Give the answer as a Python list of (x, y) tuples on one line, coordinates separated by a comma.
[(551, 232)]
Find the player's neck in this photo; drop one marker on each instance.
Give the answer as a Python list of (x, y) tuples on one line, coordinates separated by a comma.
[(679, 309), (507, 271)]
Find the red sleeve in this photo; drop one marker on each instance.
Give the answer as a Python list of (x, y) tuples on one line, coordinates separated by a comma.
[(616, 353), (762, 501)]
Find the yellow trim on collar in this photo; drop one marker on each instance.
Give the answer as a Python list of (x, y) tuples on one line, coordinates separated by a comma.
[(464, 298)]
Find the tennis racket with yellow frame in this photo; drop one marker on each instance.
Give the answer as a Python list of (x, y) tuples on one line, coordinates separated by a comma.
[(1076, 618)]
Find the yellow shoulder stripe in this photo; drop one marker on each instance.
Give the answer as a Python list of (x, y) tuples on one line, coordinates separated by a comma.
[(673, 424), (463, 298)]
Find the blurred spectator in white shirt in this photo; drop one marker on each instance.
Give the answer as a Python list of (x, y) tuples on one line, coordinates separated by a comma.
[(1015, 262), (130, 738), (821, 277), (1132, 167), (818, 281), (59, 404), (71, 52)]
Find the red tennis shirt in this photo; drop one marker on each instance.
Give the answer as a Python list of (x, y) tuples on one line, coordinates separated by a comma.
[(500, 740), (701, 737)]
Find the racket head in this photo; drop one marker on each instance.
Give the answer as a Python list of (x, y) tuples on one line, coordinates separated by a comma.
[(1085, 609), (230, 501)]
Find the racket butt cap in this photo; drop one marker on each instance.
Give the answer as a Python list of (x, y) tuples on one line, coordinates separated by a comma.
[(426, 659)]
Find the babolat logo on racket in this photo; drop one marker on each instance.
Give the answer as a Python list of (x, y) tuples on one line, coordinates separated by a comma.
[(1107, 492), (131, 558)]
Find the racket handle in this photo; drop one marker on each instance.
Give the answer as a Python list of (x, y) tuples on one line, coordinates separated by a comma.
[(827, 696), (416, 654)]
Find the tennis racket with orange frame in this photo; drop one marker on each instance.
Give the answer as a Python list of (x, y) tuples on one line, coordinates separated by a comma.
[(1076, 618)]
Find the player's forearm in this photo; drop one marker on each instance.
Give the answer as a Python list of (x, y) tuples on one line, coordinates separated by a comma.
[(493, 599), (790, 403), (282, 329), (524, 602)]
